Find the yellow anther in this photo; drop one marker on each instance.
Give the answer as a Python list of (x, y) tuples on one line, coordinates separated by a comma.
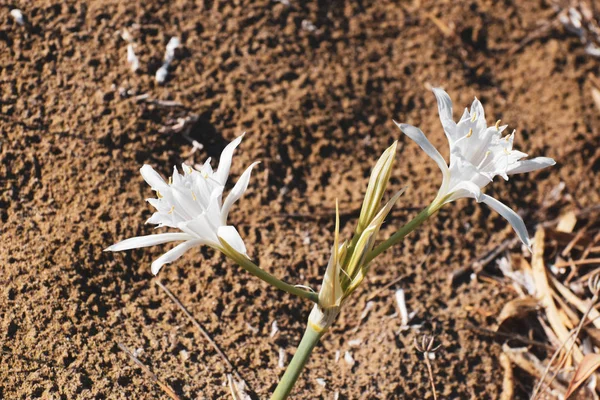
[(473, 117), (171, 210), (191, 170), (170, 180), (470, 132), (204, 175), (506, 151), (487, 153), (194, 196), (160, 196), (498, 125)]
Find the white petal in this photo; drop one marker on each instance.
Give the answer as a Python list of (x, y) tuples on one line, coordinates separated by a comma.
[(153, 178), (146, 241), (512, 217), (206, 167), (419, 137), (231, 236), (444, 104), (238, 190), (200, 228), (225, 160), (465, 189), (174, 254), (213, 210), (477, 111), (531, 165)]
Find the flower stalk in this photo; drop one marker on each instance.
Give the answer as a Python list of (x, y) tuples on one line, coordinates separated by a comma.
[(255, 270), (309, 340)]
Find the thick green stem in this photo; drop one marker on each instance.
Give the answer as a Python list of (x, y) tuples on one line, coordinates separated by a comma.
[(307, 344), (255, 270), (402, 232)]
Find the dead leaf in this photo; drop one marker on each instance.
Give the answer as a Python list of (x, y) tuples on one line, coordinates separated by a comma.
[(566, 222), (508, 382), (585, 369), (596, 97), (517, 308), (238, 389), (544, 292)]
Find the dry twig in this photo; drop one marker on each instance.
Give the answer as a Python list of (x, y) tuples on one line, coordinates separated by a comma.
[(162, 385), (202, 330)]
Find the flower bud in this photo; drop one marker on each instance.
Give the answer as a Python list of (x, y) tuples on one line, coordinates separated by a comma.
[(377, 185)]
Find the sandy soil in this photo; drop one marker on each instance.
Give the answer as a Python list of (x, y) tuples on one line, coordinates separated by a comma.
[(318, 106)]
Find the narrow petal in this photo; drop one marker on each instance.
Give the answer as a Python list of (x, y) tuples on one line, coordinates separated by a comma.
[(531, 165), (153, 178), (512, 217), (174, 254), (231, 236), (419, 137), (146, 241), (478, 113), (225, 160), (444, 104), (238, 190)]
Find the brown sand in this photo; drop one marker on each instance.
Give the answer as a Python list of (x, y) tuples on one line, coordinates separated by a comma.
[(318, 108)]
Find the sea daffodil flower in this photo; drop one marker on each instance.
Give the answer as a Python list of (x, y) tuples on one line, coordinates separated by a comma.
[(478, 153), (192, 203)]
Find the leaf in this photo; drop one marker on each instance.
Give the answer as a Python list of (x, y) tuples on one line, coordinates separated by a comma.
[(585, 369)]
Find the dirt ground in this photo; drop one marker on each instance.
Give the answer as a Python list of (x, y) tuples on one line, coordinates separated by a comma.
[(316, 87)]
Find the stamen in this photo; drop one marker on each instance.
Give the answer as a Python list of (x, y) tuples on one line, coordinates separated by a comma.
[(204, 175), (473, 117), (498, 125), (194, 196), (487, 153), (171, 210), (170, 180), (160, 196), (191, 170), (470, 132), (506, 151)]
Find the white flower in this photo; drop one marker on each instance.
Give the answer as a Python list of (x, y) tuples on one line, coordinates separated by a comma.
[(192, 203), (477, 154)]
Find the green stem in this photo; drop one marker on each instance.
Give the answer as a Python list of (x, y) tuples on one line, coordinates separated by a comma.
[(307, 344), (255, 270), (402, 232)]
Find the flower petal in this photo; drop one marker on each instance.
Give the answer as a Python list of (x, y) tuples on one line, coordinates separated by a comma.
[(174, 254), (444, 104), (238, 190), (153, 178), (200, 228), (231, 236), (465, 189), (146, 241), (512, 217), (419, 137), (531, 165), (225, 160)]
